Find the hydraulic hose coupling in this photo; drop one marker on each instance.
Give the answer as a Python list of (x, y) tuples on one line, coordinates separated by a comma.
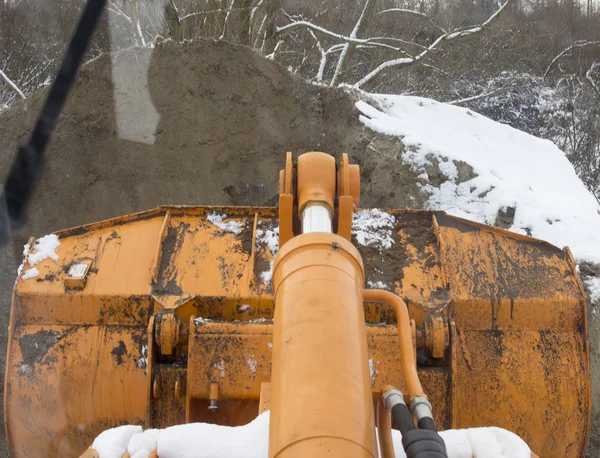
[(424, 442), (421, 408), (392, 397)]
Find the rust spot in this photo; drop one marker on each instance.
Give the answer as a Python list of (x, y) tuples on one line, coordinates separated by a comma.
[(114, 235), (246, 238), (35, 346), (118, 352), (170, 288), (166, 283)]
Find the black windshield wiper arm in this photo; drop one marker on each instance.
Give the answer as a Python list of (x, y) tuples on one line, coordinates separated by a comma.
[(26, 169)]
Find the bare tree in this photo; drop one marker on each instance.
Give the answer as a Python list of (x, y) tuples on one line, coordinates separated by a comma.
[(444, 37), (393, 44)]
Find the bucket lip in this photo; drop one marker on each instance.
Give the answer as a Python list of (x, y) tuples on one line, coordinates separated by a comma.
[(337, 242)]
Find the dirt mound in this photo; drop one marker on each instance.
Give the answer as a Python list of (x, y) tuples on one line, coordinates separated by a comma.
[(198, 123)]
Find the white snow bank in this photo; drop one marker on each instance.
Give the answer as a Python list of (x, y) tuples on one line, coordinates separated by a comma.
[(202, 440), (513, 169), (142, 444), (113, 443), (234, 227), (593, 283)]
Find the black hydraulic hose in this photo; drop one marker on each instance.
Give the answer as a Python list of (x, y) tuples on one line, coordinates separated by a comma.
[(427, 423), (423, 442), (26, 170), (402, 418)]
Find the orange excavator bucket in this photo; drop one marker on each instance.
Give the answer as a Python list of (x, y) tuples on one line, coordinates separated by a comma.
[(215, 314)]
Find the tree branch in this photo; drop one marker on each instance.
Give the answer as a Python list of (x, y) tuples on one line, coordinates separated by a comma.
[(402, 10), (576, 45), (323, 61), (322, 30), (12, 85), (413, 12), (476, 97), (344, 38), (222, 10), (116, 10), (360, 24), (457, 33), (588, 75)]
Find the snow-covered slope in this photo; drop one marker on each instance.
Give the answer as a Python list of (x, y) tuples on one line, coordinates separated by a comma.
[(513, 170)]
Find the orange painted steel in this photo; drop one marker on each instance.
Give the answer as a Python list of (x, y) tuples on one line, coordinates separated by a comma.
[(531, 348), (500, 324), (384, 431), (409, 363), (316, 180), (286, 201), (348, 196), (320, 384)]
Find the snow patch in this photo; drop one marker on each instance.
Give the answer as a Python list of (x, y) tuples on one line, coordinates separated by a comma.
[(200, 321), (372, 371), (220, 366), (234, 227), (26, 249), (373, 227), (252, 364), (377, 285), (112, 443), (268, 237), (31, 273), (512, 169), (267, 275), (260, 321), (44, 248), (142, 362)]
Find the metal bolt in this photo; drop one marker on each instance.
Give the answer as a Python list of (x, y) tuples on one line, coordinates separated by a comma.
[(213, 397), (214, 405)]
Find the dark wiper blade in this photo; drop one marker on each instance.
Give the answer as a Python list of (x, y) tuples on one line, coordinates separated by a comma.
[(26, 170)]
